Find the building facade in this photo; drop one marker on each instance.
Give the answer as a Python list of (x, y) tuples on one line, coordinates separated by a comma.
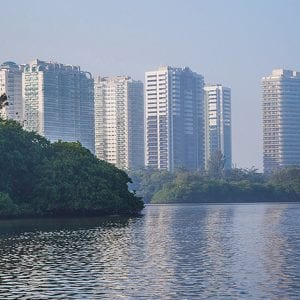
[(119, 121), (174, 119), (11, 85), (59, 102), (217, 124), (281, 119)]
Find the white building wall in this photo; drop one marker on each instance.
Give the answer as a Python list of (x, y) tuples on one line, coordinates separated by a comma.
[(281, 119), (11, 85), (218, 123), (59, 102), (174, 119), (157, 119), (119, 127)]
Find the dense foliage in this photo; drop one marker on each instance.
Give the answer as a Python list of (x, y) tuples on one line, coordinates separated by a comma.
[(236, 185), (39, 178)]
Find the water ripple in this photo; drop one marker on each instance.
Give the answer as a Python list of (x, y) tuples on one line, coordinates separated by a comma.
[(172, 252)]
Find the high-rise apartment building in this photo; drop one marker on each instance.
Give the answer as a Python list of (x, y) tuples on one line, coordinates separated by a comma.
[(217, 100), (11, 85), (119, 121), (59, 102), (174, 119), (281, 119)]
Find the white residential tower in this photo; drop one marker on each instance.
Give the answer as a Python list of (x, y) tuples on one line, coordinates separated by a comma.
[(281, 119), (217, 124), (11, 85), (174, 119), (119, 121), (59, 102)]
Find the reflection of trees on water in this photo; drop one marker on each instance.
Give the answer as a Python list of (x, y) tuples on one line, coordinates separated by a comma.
[(50, 255)]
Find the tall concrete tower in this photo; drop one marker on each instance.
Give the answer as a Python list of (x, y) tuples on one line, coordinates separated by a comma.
[(218, 123), (11, 85), (174, 119), (119, 121), (59, 102), (281, 119)]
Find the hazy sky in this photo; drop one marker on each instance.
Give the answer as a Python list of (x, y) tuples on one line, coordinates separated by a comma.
[(228, 41)]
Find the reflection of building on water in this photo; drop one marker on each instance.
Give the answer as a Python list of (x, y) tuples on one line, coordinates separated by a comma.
[(217, 250), (258, 247), (173, 252), (274, 250), (213, 233), (158, 247)]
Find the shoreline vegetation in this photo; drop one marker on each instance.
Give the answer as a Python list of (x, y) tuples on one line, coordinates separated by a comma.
[(43, 179), (63, 179), (217, 186)]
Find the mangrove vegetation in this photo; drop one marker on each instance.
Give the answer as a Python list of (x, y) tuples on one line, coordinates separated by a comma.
[(235, 185), (39, 178)]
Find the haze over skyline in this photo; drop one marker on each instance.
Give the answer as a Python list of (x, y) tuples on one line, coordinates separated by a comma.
[(234, 43)]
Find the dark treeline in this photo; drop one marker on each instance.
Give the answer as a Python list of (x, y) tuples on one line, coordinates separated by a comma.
[(39, 178), (235, 185)]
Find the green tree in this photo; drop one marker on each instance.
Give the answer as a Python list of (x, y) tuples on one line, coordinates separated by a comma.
[(287, 179), (216, 165), (61, 178), (239, 174), (149, 181), (3, 101)]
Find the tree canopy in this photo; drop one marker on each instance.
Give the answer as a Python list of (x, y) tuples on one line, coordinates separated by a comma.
[(235, 185), (39, 178), (3, 101)]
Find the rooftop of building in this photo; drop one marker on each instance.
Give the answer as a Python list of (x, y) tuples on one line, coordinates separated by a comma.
[(211, 86), (8, 65), (112, 78), (282, 73)]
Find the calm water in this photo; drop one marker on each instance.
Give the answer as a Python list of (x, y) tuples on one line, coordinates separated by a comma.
[(172, 252)]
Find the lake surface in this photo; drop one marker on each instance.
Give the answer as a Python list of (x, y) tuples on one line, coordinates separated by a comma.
[(249, 251)]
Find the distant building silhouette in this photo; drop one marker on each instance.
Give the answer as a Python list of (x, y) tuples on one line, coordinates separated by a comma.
[(281, 119), (174, 119), (59, 102)]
